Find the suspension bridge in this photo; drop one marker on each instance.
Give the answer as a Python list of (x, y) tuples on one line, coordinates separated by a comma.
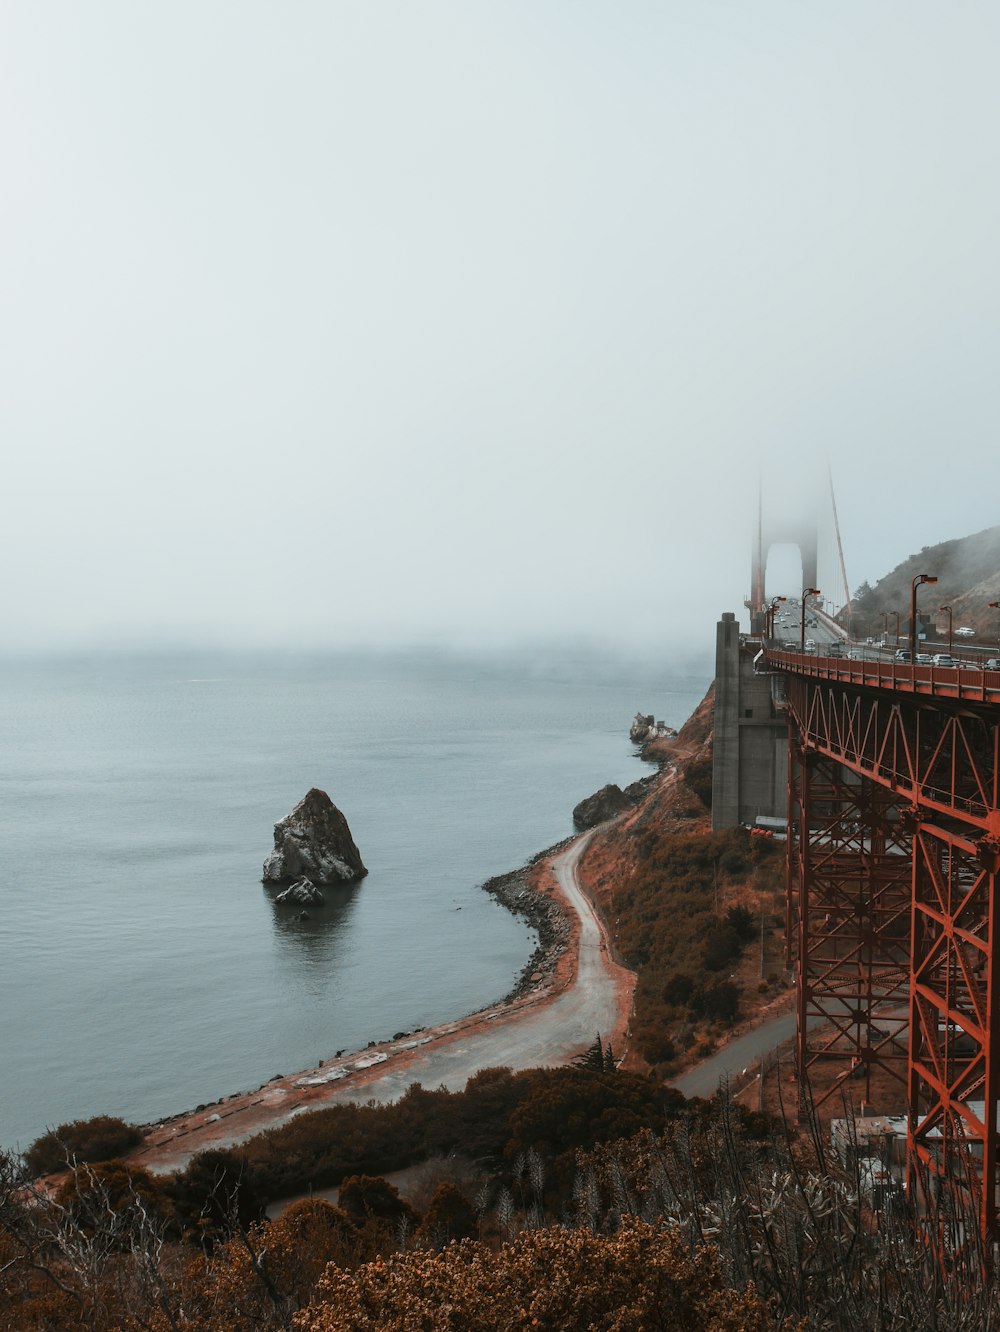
[(886, 772)]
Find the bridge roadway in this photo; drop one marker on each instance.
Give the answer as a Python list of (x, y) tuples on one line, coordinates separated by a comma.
[(969, 683)]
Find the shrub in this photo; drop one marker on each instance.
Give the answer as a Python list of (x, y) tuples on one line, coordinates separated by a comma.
[(90, 1192), (678, 989), (367, 1198), (719, 1002), (722, 946), (740, 920), (698, 776), (449, 1216), (99, 1139), (643, 1277)]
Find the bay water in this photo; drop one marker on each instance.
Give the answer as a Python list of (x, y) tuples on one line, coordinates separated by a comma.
[(144, 968)]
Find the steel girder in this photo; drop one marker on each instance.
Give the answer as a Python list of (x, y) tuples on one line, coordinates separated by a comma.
[(850, 859), (954, 1069), (941, 757), (938, 761)]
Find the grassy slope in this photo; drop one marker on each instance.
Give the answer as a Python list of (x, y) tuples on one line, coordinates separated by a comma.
[(968, 573), (684, 906)]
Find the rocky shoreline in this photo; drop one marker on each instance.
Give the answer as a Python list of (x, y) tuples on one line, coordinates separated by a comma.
[(516, 892)]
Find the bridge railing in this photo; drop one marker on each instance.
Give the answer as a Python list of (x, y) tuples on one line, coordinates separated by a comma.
[(968, 683)]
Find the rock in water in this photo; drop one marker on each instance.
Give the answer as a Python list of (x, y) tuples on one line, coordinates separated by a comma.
[(604, 804), (314, 842), (301, 893), (641, 726)]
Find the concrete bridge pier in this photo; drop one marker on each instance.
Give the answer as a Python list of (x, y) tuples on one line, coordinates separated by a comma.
[(750, 749)]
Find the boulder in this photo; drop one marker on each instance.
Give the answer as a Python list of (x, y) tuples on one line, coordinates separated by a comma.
[(642, 724), (301, 893), (605, 804), (314, 842), (636, 792)]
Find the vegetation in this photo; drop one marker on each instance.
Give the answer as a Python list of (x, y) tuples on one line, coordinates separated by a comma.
[(498, 1116), (966, 570), (681, 941), (640, 1279), (99, 1139), (698, 776), (719, 1220)]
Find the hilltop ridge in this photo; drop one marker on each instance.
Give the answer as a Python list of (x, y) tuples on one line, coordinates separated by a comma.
[(968, 574)]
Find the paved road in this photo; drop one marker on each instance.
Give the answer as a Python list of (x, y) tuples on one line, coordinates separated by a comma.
[(732, 1059)]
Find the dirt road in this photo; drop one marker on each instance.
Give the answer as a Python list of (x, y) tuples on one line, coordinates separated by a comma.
[(545, 1028)]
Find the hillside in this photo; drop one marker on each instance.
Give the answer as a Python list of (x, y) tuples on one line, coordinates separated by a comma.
[(697, 914), (968, 574)]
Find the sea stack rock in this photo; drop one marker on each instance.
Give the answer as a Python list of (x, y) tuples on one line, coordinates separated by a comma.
[(609, 801), (641, 726), (314, 842)]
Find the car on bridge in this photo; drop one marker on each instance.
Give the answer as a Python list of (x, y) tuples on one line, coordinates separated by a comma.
[(903, 654), (944, 659), (991, 664)]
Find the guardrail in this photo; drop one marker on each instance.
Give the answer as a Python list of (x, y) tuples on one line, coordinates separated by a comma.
[(968, 683)]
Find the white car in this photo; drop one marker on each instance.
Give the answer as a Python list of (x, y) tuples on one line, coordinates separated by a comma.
[(944, 659), (810, 642), (965, 632)]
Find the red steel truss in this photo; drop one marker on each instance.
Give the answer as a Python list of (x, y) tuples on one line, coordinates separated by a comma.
[(893, 860), (851, 879)]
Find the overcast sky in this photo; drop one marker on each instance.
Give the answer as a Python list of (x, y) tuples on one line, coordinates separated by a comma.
[(350, 322)]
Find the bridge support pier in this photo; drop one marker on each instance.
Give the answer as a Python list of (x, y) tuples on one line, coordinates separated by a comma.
[(850, 866)]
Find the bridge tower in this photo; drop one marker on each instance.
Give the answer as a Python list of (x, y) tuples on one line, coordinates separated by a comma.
[(803, 530), (774, 530)]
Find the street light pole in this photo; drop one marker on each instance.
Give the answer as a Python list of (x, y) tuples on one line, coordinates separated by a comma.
[(806, 593), (995, 605), (769, 616), (917, 582), (885, 626), (896, 613), (948, 609)]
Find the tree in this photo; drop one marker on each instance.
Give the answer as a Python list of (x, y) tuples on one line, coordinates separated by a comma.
[(366, 1198), (449, 1216)]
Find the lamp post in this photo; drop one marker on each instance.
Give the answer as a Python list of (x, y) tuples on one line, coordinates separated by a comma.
[(995, 605), (948, 609), (807, 592), (885, 626), (769, 616), (896, 613), (917, 582)]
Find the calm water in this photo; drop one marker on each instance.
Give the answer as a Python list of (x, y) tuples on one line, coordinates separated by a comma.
[(145, 968)]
